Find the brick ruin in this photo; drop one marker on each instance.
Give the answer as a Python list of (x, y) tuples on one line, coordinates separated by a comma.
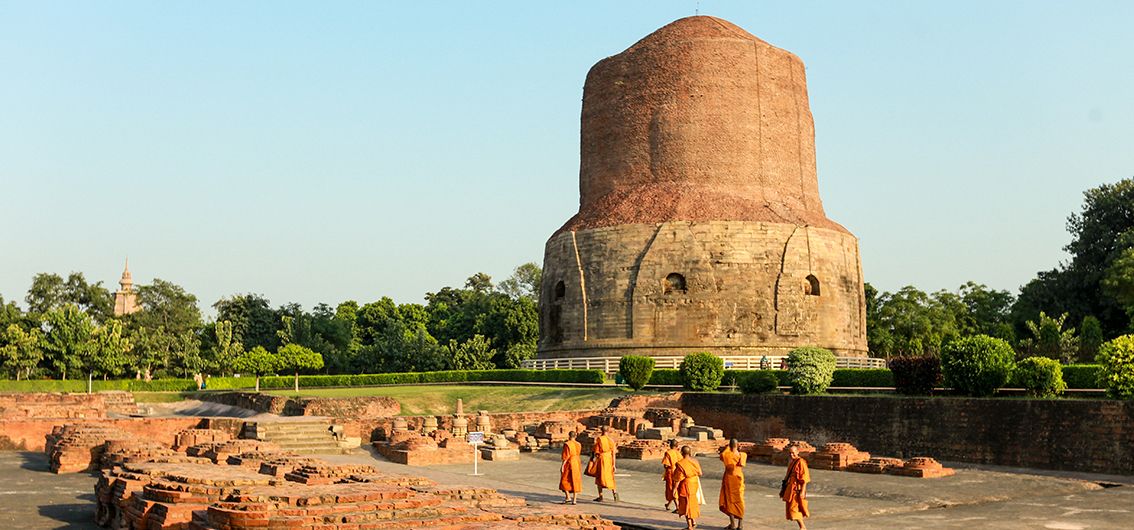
[(841, 456), (225, 484)]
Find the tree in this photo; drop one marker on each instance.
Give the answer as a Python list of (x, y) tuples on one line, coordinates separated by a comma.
[(257, 362), (1050, 340), (1097, 242), (227, 346), (22, 351), (252, 319), (479, 283), (910, 322), (106, 353), (50, 291), (1090, 338), (1118, 281), (168, 305), (296, 358), (473, 354), (524, 282), (160, 350), (67, 338)]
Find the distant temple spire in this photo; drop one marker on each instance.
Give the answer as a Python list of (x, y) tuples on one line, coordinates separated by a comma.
[(125, 299)]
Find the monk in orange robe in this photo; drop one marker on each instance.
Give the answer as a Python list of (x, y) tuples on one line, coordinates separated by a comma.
[(686, 474), (795, 489), (669, 460), (604, 452), (732, 485), (571, 475)]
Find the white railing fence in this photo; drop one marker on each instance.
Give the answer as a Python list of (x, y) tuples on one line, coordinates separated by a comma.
[(732, 362)]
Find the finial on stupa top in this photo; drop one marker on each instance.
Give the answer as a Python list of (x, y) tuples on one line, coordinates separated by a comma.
[(127, 279)]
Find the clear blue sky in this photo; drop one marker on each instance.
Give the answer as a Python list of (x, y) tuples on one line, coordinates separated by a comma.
[(324, 151)]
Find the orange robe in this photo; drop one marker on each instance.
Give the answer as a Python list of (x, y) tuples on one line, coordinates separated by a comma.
[(686, 475), (604, 453), (571, 475), (732, 485), (797, 476), (671, 458)]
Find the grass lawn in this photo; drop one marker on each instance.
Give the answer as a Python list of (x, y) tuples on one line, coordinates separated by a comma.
[(161, 397), (442, 399)]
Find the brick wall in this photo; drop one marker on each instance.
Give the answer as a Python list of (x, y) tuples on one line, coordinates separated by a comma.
[(65, 405), (28, 435), (1064, 434)]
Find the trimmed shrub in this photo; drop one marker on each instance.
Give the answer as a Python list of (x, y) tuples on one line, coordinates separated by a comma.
[(859, 377), (915, 376), (1117, 371), (665, 376), (977, 365), (757, 381), (701, 371), (1040, 376), (1082, 375), (810, 370), (636, 370)]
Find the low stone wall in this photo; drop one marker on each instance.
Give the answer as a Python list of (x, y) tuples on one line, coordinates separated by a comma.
[(249, 400), (27, 405), (30, 435), (356, 407), (372, 429), (1064, 434)]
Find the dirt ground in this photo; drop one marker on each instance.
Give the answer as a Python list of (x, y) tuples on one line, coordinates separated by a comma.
[(31, 497)]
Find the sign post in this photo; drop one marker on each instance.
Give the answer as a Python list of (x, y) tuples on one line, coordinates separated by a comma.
[(475, 439)]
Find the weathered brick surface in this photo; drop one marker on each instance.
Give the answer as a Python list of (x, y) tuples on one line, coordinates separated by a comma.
[(30, 434), (698, 159), (1064, 434), (30, 405)]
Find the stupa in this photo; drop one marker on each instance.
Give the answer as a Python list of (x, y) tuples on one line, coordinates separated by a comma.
[(700, 226)]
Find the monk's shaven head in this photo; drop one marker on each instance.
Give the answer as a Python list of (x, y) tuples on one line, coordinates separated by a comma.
[(732, 444), (672, 444), (686, 451), (571, 435)]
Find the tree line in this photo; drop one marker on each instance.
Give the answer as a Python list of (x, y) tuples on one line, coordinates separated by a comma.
[(1064, 313), (69, 330)]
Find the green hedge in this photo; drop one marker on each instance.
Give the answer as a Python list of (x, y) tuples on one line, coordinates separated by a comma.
[(863, 377), (1081, 375), (80, 385), (843, 377), (274, 382)]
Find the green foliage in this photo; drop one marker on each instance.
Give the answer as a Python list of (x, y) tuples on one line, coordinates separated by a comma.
[(757, 382), (167, 305), (253, 320), (912, 323), (977, 365), (1082, 375), (916, 376), (296, 358), (21, 351), (1117, 370), (524, 282), (636, 370), (473, 354), (107, 349), (50, 292), (1090, 337), (1096, 280), (810, 370), (1040, 376), (257, 361), (517, 353), (862, 377), (1049, 339), (67, 339), (701, 371)]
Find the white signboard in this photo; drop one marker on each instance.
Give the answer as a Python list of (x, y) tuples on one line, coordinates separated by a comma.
[(476, 438)]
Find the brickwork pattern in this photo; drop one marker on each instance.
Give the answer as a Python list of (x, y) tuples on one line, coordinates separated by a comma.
[(700, 226), (1064, 434)]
